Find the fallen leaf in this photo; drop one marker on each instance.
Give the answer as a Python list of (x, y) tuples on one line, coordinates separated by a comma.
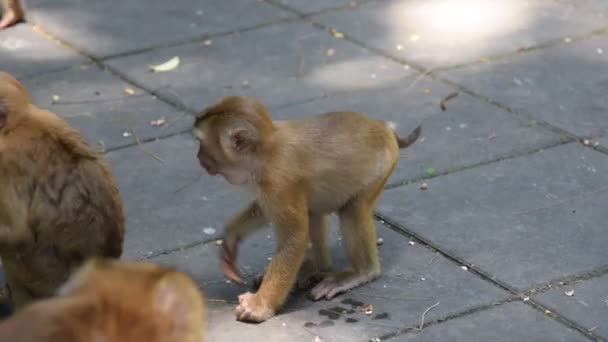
[(443, 103), (166, 66), (569, 293), (430, 171), (330, 52), (158, 122), (209, 230), (367, 309), (129, 91), (337, 34)]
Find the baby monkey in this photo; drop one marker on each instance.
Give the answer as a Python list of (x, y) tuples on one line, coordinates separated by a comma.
[(300, 171), (114, 301)]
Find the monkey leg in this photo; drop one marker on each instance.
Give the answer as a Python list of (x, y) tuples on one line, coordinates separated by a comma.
[(12, 12), (318, 258), (292, 239), (239, 227), (359, 238)]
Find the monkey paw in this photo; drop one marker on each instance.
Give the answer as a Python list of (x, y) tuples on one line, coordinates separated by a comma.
[(252, 309), (340, 282)]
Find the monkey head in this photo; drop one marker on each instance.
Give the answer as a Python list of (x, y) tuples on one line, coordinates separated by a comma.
[(232, 134)]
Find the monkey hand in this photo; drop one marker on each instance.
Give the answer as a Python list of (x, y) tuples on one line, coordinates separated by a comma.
[(228, 253), (252, 308)]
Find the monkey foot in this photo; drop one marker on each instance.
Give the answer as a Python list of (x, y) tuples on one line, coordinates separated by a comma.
[(340, 282), (252, 309), (10, 17)]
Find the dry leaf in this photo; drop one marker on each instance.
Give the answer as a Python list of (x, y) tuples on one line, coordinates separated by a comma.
[(166, 66), (337, 34), (209, 230), (158, 122), (367, 309), (129, 91)]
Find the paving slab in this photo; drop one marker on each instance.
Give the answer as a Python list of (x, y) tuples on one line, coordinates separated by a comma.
[(24, 52), (105, 28), (253, 63), (525, 221), (599, 8), (587, 306), (475, 131), (559, 85), (95, 102), (441, 33), (509, 322), (170, 204), (414, 278)]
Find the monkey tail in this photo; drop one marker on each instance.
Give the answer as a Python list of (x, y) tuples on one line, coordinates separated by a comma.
[(407, 141)]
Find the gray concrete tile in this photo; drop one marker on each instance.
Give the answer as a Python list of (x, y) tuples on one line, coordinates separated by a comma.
[(525, 221), (588, 306), (441, 33), (280, 65), (560, 85), (24, 52), (105, 28), (169, 205), (469, 132), (95, 103), (598, 8), (414, 278), (509, 322), (603, 141)]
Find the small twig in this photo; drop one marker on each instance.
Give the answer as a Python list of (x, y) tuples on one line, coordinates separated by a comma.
[(188, 185), (424, 314), (443, 103), (146, 151)]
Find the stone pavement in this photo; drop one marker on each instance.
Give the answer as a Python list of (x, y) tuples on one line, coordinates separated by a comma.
[(508, 243)]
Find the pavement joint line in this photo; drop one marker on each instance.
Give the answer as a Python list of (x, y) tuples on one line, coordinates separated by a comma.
[(198, 38), (567, 281), (563, 141), (181, 248), (483, 275), (563, 320), (446, 318)]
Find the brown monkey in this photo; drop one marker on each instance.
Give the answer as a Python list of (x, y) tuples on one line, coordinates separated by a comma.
[(114, 301), (12, 12), (58, 201), (300, 171)]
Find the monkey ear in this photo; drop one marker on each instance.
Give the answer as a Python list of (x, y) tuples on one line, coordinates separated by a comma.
[(242, 139)]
